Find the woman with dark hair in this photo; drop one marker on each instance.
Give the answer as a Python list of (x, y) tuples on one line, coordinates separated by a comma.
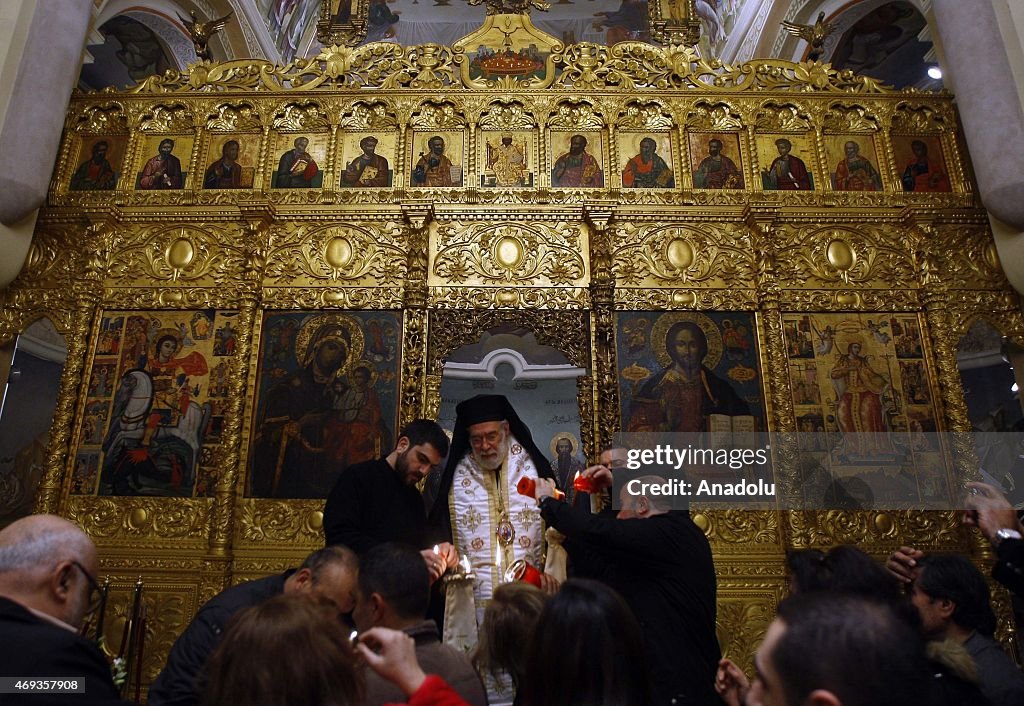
[(589, 653), (843, 568), (506, 632), (293, 649)]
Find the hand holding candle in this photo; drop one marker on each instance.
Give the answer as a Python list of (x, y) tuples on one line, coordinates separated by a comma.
[(538, 489), (598, 477)]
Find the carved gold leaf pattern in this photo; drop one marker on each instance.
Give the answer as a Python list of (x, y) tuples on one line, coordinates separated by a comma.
[(718, 116), (645, 115), (568, 331), (782, 118), (683, 255), (280, 522), (167, 118), (105, 118), (853, 118), (369, 115), (507, 253), (917, 118), (438, 116), (134, 518), (351, 253), (184, 254), (843, 256), (307, 116), (576, 115), (507, 115), (231, 118)]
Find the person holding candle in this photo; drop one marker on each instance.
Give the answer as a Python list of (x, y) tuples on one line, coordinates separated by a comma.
[(660, 562), (47, 589), (475, 503), (377, 501)]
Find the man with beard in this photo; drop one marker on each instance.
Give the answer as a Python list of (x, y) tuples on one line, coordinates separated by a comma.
[(577, 168), (565, 466), (369, 168), (226, 172), (855, 172), (682, 396), (434, 168), (474, 502), (377, 501), (162, 171), (647, 170), (716, 171), (297, 168), (95, 174)]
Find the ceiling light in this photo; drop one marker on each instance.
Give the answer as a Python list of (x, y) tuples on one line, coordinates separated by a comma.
[(934, 72)]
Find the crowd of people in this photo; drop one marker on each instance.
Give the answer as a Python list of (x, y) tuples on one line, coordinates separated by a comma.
[(626, 617)]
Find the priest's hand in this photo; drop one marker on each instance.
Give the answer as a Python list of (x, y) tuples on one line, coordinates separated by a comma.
[(731, 683), (989, 510), (436, 563), (446, 550), (545, 489)]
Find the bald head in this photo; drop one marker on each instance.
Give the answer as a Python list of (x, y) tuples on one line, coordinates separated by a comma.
[(42, 563)]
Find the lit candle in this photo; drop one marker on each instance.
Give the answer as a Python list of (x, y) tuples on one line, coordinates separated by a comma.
[(466, 566), (437, 548)]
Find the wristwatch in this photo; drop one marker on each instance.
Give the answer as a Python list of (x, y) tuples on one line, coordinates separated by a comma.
[(1005, 533)]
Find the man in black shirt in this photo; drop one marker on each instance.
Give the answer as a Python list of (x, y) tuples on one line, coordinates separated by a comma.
[(377, 501), (660, 562)]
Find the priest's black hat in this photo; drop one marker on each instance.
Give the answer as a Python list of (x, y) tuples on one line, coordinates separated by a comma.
[(484, 408)]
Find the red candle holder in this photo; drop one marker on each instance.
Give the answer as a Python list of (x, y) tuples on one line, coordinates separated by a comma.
[(584, 484), (528, 486), (522, 570)]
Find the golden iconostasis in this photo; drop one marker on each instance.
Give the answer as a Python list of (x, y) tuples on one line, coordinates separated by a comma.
[(261, 271)]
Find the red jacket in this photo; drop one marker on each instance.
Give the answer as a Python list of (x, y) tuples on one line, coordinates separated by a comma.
[(434, 691)]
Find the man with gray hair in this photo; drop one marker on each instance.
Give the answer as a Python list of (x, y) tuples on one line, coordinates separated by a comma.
[(47, 588), (329, 573)]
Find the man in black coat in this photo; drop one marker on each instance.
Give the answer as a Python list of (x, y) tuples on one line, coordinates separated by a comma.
[(660, 562), (330, 573), (47, 588), (377, 501)]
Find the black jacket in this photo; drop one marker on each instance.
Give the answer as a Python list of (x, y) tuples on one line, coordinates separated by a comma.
[(1009, 570), (663, 569), (32, 647), (183, 679)]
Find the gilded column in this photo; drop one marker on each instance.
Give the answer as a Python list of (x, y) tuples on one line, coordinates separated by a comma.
[(604, 388), (226, 490), (87, 293), (414, 347)]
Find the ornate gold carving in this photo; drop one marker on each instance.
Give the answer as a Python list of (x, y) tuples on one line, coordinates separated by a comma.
[(350, 253), (645, 115), (507, 253), (841, 257), (916, 117), (167, 118), (280, 522), (369, 116), (708, 255), (568, 331), (232, 118), (508, 297), (782, 118), (854, 118), (717, 116), (438, 116), (637, 299), (576, 115), (511, 7), (510, 115), (129, 519), (184, 254), (105, 118), (307, 116)]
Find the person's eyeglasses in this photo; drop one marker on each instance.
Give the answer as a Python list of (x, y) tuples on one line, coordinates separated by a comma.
[(95, 592)]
